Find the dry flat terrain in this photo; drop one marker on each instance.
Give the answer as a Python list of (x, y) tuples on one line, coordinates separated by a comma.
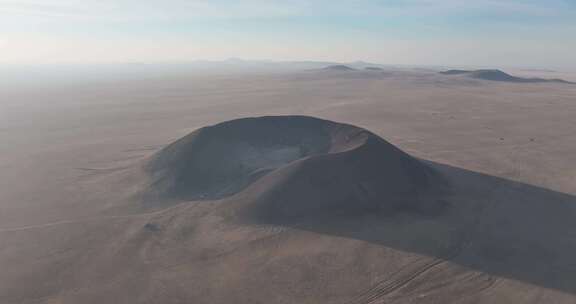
[(75, 229)]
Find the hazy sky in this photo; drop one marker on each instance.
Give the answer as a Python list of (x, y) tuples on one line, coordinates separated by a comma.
[(459, 32)]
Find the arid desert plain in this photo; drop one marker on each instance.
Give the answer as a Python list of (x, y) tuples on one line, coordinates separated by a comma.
[(96, 207)]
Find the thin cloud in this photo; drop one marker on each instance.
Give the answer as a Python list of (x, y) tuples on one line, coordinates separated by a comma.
[(146, 9), (451, 7), (133, 10)]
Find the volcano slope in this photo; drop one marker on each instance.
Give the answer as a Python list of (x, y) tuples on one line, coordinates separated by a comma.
[(291, 166)]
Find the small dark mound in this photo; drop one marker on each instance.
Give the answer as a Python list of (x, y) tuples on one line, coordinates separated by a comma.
[(373, 69), (291, 166), (494, 75), (497, 75), (152, 227), (339, 67)]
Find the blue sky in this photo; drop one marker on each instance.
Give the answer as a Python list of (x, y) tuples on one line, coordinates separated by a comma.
[(539, 33)]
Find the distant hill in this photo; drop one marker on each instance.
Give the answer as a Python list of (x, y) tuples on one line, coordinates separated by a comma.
[(498, 75), (373, 69), (338, 67)]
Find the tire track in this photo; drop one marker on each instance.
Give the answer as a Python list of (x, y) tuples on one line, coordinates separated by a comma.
[(93, 219), (388, 286), (397, 280)]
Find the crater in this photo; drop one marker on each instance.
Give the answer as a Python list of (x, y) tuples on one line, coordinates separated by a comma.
[(290, 166)]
